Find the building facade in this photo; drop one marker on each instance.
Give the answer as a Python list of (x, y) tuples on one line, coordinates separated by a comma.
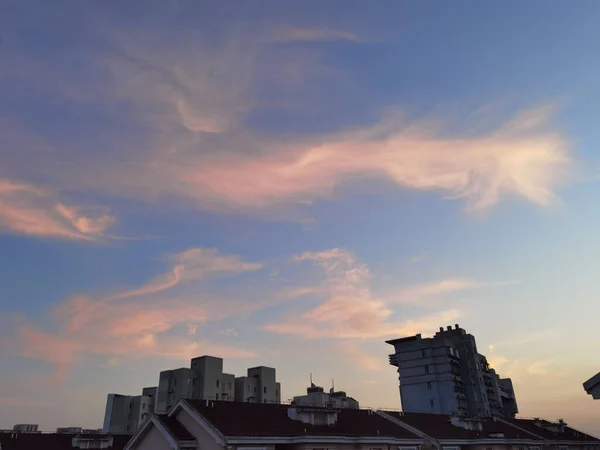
[(122, 414), (446, 375), (259, 386)]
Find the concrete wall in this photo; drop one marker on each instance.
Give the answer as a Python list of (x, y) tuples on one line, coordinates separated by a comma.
[(227, 387), (173, 385), (246, 389), (210, 375)]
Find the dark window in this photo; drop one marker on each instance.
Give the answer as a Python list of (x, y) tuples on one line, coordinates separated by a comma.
[(431, 403), (423, 353), (265, 390), (426, 369), (429, 385), (217, 383), (217, 396)]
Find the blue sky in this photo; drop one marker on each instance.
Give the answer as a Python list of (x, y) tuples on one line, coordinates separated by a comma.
[(290, 184)]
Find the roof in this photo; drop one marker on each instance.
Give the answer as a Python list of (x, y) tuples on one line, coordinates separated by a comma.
[(589, 384), (260, 419), (175, 428), (52, 441), (568, 434), (439, 426)]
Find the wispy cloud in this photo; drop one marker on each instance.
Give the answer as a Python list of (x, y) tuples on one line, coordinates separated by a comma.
[(361, 358), (350, 309), (421, 292), (32, 210), (299, 34), (137, 323)]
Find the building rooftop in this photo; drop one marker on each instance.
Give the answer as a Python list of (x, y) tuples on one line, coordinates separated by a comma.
[(440, 426), (175, 428), (53, 441), (258, 419), (542, 427)]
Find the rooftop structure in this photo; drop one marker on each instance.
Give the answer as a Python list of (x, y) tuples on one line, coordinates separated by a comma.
[(445, 374), (592, 386)]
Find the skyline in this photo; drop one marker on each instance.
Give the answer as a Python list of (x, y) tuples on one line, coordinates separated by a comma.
[(290, 184)]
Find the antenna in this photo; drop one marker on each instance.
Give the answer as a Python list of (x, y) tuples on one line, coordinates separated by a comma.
[(311, 382), (332, 385)]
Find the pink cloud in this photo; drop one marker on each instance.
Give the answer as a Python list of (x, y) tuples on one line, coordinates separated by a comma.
[(136, 323), (31, 210), (350, 309), (298, 34), (515, 159)]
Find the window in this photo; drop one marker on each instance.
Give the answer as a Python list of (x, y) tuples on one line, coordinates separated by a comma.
[(431, 402), (265, 390), (429, 385), (174, 381), (276, 393), (217, 397), (426, 369), (423, 353), (217, 383)]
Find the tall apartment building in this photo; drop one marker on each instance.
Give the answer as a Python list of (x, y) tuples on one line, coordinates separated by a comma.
[(122, 414), (259, 386), (446, 375), (173, 385)]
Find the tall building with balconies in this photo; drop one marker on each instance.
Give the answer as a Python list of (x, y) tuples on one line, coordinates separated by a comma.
[(446, 375)]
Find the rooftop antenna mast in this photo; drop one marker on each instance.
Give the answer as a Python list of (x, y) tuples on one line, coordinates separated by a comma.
[(311, 381), (332, 385)]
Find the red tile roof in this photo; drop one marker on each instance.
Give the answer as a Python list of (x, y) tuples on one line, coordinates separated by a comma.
[(50, 441), (258, 419), (176, 428), (568, 434)]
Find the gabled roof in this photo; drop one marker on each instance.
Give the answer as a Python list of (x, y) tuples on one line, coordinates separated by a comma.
[(271, 420), (568, 434), (175, 428), (439, 426)]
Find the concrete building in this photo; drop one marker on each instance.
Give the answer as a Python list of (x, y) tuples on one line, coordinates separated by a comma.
[(446, 375), (122, 414), (173, 385), (147, 402), (259, 386), (592, 386), (316, 396)]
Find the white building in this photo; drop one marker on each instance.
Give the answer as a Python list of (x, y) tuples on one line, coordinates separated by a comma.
[(315, 396), (446, 375)]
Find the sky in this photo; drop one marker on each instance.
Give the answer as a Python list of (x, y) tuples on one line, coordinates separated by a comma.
[(290, 184)]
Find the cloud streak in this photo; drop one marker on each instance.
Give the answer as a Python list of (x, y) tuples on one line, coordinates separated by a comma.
[(350, 310), (137, 322), (30, 210)]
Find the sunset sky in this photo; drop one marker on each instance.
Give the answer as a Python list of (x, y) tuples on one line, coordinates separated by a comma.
[(291, 183)]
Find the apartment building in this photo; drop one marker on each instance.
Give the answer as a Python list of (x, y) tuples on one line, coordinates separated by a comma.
[(445, 374), (122, 414), (259, 386)]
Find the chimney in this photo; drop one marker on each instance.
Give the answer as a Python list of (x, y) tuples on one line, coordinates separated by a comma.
[(456, 326), (441, 328), (449, 327)]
